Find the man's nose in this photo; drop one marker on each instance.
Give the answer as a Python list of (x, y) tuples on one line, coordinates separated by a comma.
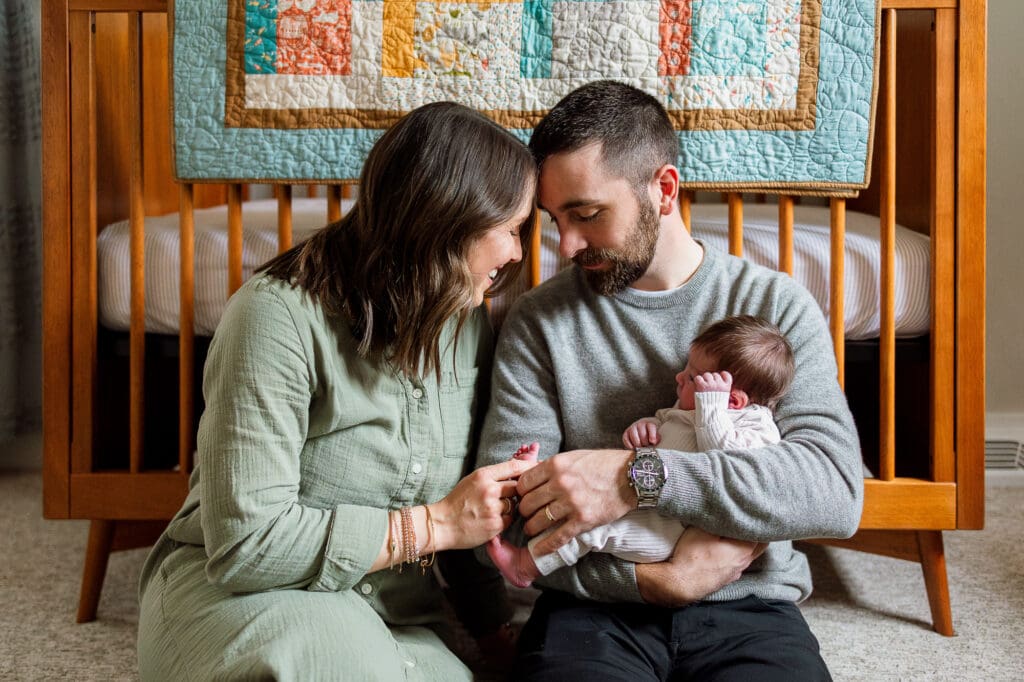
[(570, 243)]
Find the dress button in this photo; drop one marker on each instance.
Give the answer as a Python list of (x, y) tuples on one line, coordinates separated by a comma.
[(366, 588), (416, 468), (417, 393)]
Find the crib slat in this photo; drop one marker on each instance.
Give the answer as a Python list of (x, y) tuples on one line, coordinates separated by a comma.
[(786, 234), (234, 237), (735, 224), (887, 284), (186, 327), (943, 207), (685, 203), (83, 242), (837, 284), (534, 257), (137, 326), (333, 203), (284, 218)]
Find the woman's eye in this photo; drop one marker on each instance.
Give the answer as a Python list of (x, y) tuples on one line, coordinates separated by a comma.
[(514, 233)]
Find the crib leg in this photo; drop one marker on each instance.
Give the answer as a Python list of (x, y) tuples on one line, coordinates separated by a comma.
[(933, 565), (101, 540), (107, 536), (921, 546)]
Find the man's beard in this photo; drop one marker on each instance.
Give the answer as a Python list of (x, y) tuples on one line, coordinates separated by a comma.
[(628, 264)]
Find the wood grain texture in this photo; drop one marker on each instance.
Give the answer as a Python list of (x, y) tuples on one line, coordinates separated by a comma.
[(970, 433), (56, 291)]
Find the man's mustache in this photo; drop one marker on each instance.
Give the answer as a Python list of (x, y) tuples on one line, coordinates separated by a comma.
[(593, 257)]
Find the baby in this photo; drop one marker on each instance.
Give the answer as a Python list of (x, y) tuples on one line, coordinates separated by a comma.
[(737, 370)]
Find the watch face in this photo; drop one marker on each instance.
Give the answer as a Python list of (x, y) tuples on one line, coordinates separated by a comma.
[(650, 474)]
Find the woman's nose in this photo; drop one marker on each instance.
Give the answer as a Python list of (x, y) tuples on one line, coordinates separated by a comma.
[(517, 250)]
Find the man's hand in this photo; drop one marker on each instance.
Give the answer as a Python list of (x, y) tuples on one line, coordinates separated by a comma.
[(575, 491), (640, 433), (700, 564)]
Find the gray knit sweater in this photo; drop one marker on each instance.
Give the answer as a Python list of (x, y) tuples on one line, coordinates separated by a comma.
[(573, 369)]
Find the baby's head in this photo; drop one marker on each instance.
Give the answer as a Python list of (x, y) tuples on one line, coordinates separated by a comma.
[(753, 350)]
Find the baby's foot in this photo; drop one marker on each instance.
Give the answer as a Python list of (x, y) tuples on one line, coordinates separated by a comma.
[(527, 452), (515, 563)]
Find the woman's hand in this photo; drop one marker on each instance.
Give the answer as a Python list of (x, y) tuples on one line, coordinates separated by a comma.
[(700, 564), (575, 491), (476, 509)]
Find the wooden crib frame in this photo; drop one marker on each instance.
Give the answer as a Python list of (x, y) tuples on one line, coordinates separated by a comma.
[(106, 156)]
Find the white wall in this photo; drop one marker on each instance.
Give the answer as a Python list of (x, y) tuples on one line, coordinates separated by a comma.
[(1004, 375)]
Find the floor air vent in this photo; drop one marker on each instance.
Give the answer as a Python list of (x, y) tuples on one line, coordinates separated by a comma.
[(1004, 454)]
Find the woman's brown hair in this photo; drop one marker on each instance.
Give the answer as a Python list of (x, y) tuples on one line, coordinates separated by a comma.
[(395, 266)]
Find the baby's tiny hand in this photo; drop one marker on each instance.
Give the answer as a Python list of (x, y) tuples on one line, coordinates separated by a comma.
[(720, 382), (640, 433)]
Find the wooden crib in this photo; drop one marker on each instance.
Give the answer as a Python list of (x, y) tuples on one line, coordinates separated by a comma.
[(119, 427)]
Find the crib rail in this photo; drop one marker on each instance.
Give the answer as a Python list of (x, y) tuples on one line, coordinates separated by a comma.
[(114, 163)]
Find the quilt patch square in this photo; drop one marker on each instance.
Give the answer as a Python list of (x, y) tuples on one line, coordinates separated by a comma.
[(764, 93)]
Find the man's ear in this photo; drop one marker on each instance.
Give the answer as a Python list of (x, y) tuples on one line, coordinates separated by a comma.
[(666, 185), (738, 399)]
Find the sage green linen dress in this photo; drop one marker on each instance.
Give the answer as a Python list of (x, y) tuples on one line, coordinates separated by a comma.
[(303, 447)]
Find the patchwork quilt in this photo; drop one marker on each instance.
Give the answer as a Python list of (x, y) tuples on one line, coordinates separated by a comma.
[(771, 94)]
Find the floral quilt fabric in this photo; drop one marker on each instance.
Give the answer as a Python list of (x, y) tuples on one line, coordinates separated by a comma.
[(764, 93)]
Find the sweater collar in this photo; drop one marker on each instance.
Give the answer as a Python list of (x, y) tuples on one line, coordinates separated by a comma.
[(681, 294)]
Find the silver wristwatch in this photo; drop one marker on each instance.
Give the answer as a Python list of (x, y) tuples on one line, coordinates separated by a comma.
[(647, 475)]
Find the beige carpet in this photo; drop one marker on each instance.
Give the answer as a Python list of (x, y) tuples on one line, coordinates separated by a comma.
[(870, 613)]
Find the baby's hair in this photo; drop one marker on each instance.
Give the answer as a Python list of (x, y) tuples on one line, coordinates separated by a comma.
[(755, 352)]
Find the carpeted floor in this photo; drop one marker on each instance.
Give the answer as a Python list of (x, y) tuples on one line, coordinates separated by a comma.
[(870, 613)]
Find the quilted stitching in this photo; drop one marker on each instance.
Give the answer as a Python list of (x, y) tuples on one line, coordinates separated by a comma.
[(765, 93)]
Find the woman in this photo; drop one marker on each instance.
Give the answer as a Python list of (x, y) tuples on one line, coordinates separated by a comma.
[(343, 391)]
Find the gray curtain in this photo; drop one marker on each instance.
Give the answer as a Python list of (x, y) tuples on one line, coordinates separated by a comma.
[(20, 219)]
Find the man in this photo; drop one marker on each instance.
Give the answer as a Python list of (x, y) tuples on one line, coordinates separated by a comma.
[(588, 352)]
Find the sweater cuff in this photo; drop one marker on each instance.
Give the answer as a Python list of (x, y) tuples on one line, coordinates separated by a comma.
[(707, 403), (353, 543)]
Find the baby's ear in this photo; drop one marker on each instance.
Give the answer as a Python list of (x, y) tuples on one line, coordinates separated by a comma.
[(738, 399)]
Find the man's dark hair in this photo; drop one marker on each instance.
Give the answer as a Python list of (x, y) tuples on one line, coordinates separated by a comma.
[(632, 127)]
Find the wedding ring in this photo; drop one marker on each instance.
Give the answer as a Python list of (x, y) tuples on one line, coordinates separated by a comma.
[(508, 505), (547, 513)]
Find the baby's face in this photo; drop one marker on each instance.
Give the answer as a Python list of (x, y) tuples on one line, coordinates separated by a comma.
[(698, 363)]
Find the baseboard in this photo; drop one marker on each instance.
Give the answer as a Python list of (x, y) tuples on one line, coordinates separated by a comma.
[(1004, 426), (23, 453)]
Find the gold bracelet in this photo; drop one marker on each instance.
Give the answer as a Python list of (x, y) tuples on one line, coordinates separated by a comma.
[(392, 544), (431, 541), (409, 536)]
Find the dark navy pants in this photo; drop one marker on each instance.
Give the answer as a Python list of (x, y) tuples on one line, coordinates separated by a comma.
[(747, 639)]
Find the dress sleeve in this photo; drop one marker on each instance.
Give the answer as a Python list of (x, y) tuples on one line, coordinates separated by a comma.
[(258, 385)]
